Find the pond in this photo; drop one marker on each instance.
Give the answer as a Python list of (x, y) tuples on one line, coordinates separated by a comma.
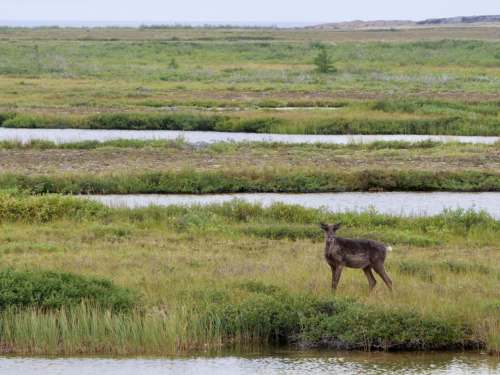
[(394, 203), (286, 363), (78, 135)]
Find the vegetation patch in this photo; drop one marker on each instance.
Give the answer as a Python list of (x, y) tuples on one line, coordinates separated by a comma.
[(45, 209), (250, 181), (235, 274), (48, 290), (274, 317), (378, 119)]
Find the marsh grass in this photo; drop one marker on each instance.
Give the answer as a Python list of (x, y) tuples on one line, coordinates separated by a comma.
[(260, 319), (227, 147), (238, 274), (414, 118), (252, 181), (206, 279)]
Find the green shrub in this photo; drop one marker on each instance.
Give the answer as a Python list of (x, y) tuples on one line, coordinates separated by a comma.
[(15, 207), (270, 315), (138, 121), (34, 121), (4, 116), (351, 325), (323, 61), (43, 289)]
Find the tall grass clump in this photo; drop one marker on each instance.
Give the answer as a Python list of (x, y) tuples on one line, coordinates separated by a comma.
[(266, 316), (20, 207)]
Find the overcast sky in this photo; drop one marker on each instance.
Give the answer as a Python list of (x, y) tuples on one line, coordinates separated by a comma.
[(240, 10)]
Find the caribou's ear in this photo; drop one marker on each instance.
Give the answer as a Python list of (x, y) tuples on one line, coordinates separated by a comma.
[(337, 226), (324, 227)]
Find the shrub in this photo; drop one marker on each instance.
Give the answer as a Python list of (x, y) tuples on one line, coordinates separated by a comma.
[(4, 116), (43, 209), (173, 64), (270, 315), (323, 61), (44, 289), (351, 325), (34, 121)]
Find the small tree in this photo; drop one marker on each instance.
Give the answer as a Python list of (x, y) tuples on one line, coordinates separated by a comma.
[(323, 62), (173, 64)]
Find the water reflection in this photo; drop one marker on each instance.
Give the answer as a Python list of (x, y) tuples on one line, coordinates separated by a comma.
[(77, 135), (287, 363), (394, 203)]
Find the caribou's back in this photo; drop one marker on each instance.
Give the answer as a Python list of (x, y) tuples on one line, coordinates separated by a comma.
[(356, 253)]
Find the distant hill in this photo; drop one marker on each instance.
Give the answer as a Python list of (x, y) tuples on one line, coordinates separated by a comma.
[(358, 24), (455, 20), (398, 24)]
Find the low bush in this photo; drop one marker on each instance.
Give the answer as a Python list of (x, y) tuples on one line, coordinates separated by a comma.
[(4, 116), (351, 325), (15, 207), (270, 315), (44, 289)]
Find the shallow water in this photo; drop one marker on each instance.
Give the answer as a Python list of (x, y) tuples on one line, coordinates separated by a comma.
[(394, 203), (78, 135), (299, 363)]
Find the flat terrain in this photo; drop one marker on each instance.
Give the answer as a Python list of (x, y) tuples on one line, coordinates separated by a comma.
[(183, 261), (445, 74), (236, 274), (158, 156), (173, 34)]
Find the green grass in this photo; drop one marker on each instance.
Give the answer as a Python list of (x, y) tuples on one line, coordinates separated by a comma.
[(260, 319), (252, 181), (382, 119), (227, 147), (418, 87), (205, 282), (240, 274)]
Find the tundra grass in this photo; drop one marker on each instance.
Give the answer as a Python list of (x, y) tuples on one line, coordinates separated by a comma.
[(134, 156), (206, 280), (57, 76), (166, 33), (381, 118), (254, 181)]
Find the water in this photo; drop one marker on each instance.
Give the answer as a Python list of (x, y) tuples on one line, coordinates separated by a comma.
[(394, 203), (77, 135), (300, 363)]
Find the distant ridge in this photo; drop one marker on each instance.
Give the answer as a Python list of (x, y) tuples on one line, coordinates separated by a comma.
[(454, 20), (396, 24)]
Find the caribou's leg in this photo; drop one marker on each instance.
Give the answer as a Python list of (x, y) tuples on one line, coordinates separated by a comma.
[(333, 267), (336, 276), (379, 268), (369, 275)]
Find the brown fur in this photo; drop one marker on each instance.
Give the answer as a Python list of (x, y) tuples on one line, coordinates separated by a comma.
[(354, 253)]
